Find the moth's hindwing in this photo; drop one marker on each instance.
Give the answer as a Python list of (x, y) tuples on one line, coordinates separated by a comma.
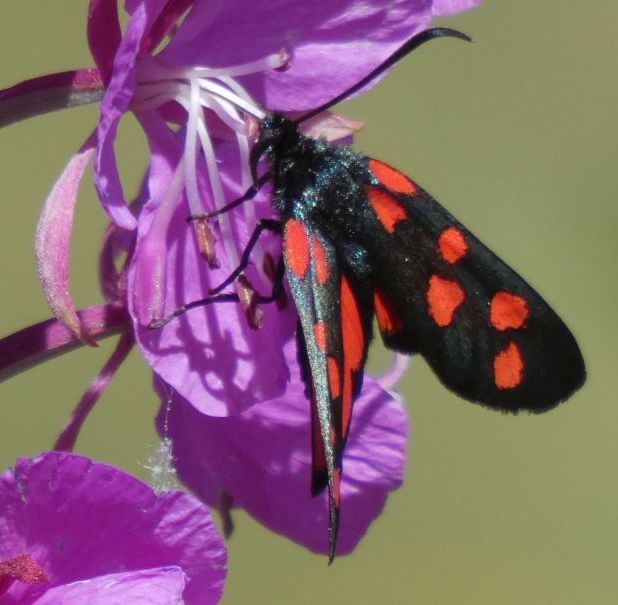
[(488, 335)]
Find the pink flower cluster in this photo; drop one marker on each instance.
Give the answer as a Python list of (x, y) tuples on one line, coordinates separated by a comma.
[(199, 77)]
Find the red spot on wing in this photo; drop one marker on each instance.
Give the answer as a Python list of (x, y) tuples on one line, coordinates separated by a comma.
[(388, 321), (508, 311), (320, 335), (508, 367), (334, 377), (320, 261), (391, 178), (296, 247), (453, 245), (388, 209), (444, 297), (353, 337), (337, 488), (351, 327)]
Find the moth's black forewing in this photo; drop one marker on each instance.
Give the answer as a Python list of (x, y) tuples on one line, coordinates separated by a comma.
[(330, 281)]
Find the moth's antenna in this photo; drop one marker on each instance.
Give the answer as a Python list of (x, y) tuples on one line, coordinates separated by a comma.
[(412, 44)]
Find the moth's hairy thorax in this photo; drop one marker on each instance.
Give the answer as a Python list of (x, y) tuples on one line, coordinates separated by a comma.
[(313, 180)]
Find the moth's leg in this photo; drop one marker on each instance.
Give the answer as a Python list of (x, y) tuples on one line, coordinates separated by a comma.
[(275, 296), (263, 225), (246, 196), (277, 293), (203, 302)]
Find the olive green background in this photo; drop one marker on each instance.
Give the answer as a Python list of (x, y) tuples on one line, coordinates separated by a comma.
[(517, 135)]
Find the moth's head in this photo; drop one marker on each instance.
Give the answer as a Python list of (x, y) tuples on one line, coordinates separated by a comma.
[(277, 131), (278, 135)]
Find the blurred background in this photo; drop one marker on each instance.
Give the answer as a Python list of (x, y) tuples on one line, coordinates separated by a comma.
[(516, 134)]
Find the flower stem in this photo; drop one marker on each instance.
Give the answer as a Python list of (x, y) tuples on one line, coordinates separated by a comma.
[(49, 93), (38, 343), (68, 436)]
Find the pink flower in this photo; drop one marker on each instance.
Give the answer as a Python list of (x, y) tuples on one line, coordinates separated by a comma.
[(74, 531), (210, 72), (261, 460)]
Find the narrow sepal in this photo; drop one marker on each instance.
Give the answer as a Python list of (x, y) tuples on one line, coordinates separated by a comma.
[(53, 241)]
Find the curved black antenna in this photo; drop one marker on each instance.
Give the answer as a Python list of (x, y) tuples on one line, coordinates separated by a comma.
[(412, 44)]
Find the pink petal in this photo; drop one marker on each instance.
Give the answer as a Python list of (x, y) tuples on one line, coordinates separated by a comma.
[(104, 34), (115, 104), (117, 243), (349, 44), (443, 8), (53, 241), (165, 22), (210, 355), (262, 459), (150, 285), (161, 586), (81, 520), (333, 44)]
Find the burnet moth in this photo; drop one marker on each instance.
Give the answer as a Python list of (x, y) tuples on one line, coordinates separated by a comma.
[(361, 240)]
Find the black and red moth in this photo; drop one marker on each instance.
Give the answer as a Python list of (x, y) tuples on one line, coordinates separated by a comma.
[(361, 240)]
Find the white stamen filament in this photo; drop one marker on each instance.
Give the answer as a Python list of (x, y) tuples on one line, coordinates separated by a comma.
[(225, 111), (193, 195), (236, 87), (217, 194), (179, 91), (225, 93), (274, 61), (197, 90)]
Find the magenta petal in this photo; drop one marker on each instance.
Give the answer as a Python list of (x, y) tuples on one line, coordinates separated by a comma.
[(148, 282), (81, 520), (333, 43), (334, 61), (210, 355), (116, 246), (103, 34), (442, 8), (115, 104), (53, 241), (165, 23), (262, 459), (348, 46), (162, 586)]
